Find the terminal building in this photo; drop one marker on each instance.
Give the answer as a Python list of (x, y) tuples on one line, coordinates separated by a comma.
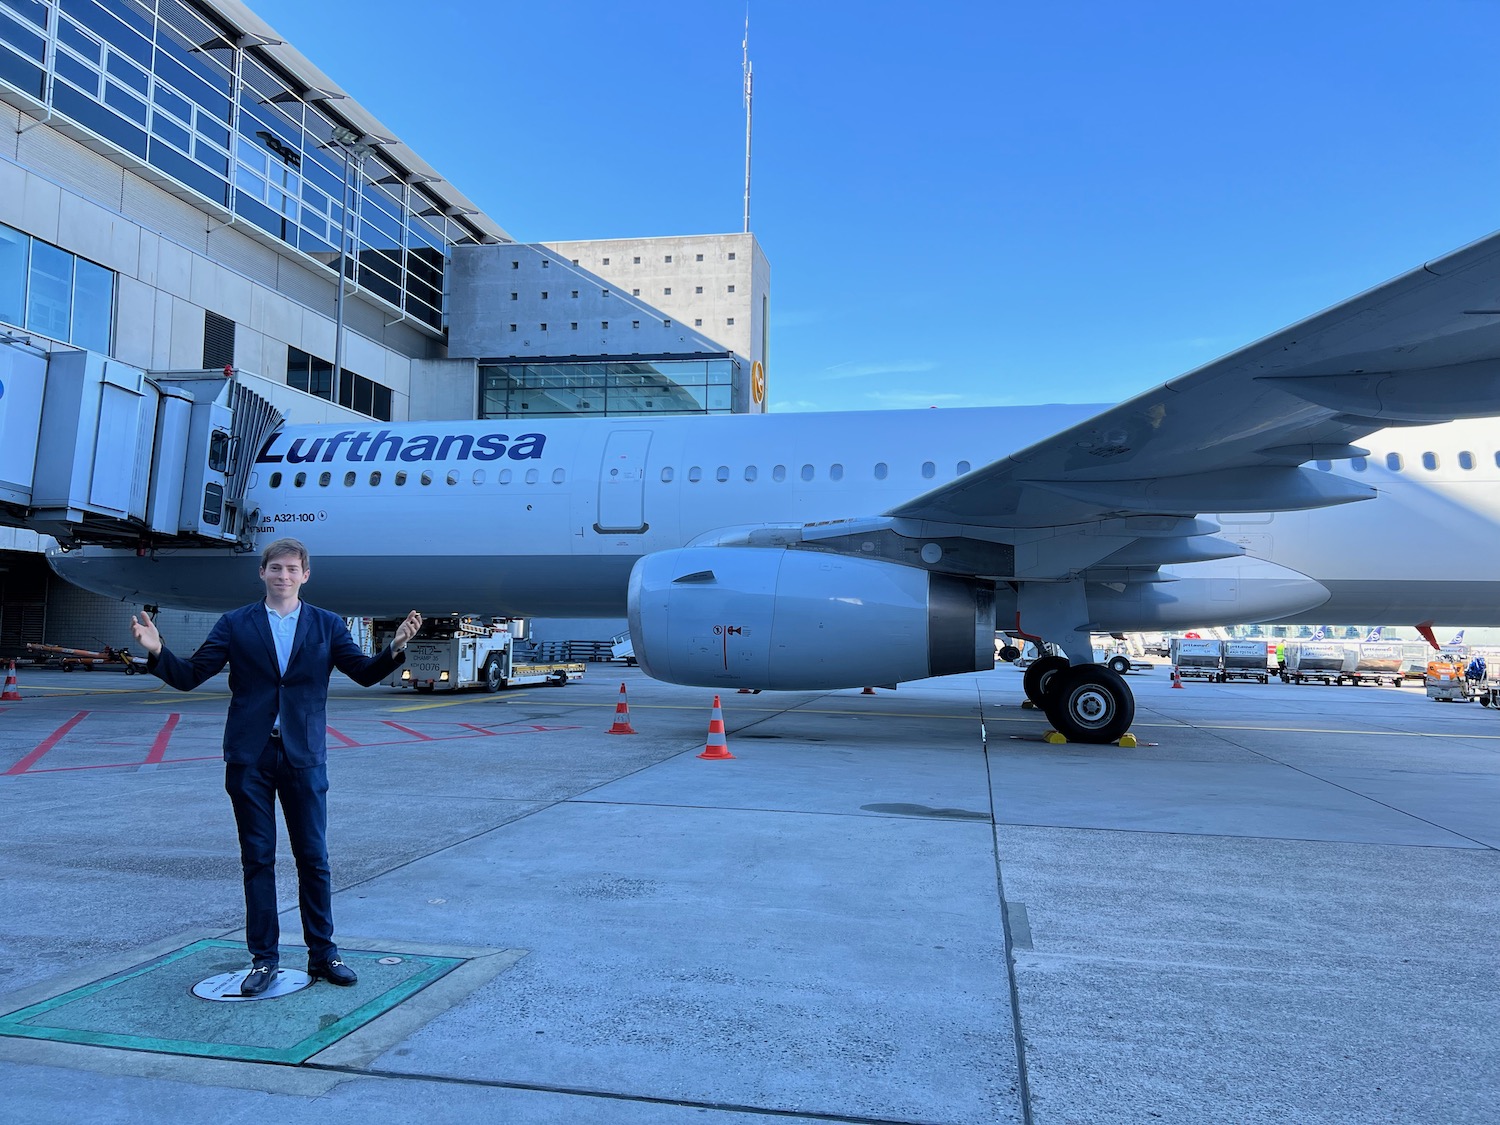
[(181, 190)]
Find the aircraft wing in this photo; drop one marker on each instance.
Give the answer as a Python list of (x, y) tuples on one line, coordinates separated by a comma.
[(1231, 435)]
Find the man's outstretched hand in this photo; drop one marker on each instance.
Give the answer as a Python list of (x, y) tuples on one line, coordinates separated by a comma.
[(143, 629), (404, 632)]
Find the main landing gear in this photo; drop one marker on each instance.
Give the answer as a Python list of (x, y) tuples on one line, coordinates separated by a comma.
[(1084, 703)]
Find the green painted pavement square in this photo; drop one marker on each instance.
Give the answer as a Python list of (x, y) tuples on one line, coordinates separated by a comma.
[(152, 1008)]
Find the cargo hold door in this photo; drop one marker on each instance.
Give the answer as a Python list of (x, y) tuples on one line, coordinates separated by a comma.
[(622, 483)]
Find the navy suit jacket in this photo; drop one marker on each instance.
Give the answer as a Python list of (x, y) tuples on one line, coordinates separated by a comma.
[(258, 689)]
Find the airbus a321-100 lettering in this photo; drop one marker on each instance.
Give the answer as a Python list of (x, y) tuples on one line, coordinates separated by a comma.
[(813, 551)]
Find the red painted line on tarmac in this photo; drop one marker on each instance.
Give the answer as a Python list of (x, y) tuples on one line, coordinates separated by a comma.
[(408, 730), (344, 738), (46, 744), (120, 765), (163, 736)]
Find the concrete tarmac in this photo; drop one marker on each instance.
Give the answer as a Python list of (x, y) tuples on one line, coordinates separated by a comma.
[(1284, 905)]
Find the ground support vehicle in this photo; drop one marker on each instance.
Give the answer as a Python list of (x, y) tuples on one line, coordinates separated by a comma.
[(1196, 658), (452, 653), (1445, 678), (70, 659), (623, 648), (1309, 661), (1372, 662), (1245, 660)]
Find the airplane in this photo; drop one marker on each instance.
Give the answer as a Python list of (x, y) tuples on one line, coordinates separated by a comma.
[(826, 551)]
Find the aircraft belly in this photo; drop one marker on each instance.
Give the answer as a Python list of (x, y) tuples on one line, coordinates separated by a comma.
[(362, 586), (1405, 602)]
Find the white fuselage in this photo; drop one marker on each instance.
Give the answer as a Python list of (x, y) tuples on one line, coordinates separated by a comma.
[(547, 517)]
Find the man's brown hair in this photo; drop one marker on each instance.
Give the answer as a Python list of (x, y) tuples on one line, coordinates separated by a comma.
[(280, 547)]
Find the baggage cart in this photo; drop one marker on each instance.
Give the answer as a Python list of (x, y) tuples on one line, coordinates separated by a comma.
[(1373, 662), (1196, 658), (1245, 660), (1314, 661)]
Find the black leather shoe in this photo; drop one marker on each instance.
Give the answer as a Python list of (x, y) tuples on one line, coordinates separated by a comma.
[(258, 979), (333, 971)]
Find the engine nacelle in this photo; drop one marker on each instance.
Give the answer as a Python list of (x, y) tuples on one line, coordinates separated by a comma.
[(732, 617)]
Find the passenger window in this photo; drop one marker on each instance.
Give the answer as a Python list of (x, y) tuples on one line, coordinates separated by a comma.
[(779, 472), (532, 476), (1429, 461), (503, 476), (1393, 462), (400, 477), (349, 479), (1326, 466), (452, 476), (929, 470), (558, 476), (963, 467), (426, 477), (478, 476), (835, 472), (722, 474), (695, 474), (276, 477), (807, 472), (1466, 460), (751, 472), (325, 480), (375, 478), (299, 480), (1358, 464), (881, 469), (666, 475)]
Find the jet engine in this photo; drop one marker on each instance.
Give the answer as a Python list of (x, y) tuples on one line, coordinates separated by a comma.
[(732, 617)]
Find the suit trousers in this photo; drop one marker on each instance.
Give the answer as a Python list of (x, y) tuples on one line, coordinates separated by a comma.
[(253, 790)]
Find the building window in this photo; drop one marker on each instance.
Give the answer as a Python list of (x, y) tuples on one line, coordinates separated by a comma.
[(730, 322), (545, 263), (606, 261), (635, 292), (635, 324), (636, 260), (731, 288), (515, 296), (512, 327), (667, 259), (544, 327), (731, 255), (697, 289), (515, 265), (575, 293), (604, 292), (218, 341), (604, 324), (544, 294), (574, 325), (667, 292), (698, 322), (51, 292), (697, 257)]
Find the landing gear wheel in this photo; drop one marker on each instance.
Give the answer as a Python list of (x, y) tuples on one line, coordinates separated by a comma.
[(493, 680), (1037, 683), (1090, 703), (1118, 665)]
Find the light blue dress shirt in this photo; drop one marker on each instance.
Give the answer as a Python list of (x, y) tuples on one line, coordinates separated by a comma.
[(283, 632)]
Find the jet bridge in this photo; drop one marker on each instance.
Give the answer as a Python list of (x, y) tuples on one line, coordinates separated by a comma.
[(93, 450)]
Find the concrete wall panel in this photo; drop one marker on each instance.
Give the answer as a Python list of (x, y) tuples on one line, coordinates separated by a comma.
[(135, 323)]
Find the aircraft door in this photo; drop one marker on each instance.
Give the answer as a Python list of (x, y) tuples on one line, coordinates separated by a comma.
[(622, 483)]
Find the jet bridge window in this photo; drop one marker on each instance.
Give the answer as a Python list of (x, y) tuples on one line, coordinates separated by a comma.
[(218, 451), (1465, 460), (1429, 461), (1393, 462)]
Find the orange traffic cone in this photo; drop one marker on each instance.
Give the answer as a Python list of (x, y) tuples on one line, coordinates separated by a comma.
[(622, 716), (11, 695), (1176, 677), (718, 746)]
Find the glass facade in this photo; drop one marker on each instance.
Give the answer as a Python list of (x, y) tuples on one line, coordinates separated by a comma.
[(55, 294), (315, 376), (614, 387), (165, 81)]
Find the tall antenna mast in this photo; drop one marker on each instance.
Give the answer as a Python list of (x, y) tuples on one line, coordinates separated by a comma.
[(749, 88)]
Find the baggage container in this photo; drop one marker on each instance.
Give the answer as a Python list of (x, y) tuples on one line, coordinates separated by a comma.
[(1245, 660), (1373, 662), (1195, 658), (1307, 661)]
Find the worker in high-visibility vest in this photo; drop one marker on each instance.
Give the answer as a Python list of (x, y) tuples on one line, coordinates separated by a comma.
[(1281, 657)]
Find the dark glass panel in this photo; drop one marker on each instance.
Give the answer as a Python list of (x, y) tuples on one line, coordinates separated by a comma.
[(79, 41), (25, 76), (167, 159), (77, 73), (92, 115), (125, 103), (93, 306), (127, 72), (381, 407), (247, 207), (179, 107)]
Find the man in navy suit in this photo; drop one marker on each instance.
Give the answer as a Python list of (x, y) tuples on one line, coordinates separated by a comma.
[(281, 653)]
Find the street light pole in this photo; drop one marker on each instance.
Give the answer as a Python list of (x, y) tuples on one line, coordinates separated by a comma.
[(347, 140)]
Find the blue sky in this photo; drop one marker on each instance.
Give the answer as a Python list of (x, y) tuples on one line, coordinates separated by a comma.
[(973, 203)]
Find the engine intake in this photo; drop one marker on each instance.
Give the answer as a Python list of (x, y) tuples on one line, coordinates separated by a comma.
[(734, 617)]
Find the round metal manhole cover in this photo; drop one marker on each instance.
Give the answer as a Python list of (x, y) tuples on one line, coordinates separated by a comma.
[(390, 961), (226, 986)]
